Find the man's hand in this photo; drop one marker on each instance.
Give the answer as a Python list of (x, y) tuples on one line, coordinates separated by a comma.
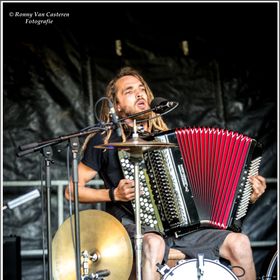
[(125, 190), (259, 186)]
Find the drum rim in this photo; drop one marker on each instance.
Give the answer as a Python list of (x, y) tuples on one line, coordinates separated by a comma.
[(272, 264), (217, 262)]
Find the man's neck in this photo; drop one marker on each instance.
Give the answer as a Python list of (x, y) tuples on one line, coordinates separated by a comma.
[(140, 126)]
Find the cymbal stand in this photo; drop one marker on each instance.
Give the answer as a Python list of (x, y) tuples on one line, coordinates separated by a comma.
[(136, 156), (138, 235)]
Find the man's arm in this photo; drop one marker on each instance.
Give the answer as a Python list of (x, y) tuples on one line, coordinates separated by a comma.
[(123, 192), (86, 194)]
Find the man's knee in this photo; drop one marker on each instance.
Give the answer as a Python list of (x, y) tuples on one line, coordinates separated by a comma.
[(237, 245), (241, 242), (152, 242)]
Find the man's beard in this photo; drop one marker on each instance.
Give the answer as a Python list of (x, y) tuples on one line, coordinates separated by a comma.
[(141, 117)]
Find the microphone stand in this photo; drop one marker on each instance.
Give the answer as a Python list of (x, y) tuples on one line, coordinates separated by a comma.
[(74, 144), (47, 153), (46, 150)]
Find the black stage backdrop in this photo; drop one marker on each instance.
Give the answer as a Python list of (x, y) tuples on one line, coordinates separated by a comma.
[(218, 60)]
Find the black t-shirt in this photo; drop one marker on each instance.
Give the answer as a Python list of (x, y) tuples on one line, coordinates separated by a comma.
[(106, 163)]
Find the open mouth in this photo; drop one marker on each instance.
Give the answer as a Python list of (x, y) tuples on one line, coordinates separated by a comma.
[(141, 104)]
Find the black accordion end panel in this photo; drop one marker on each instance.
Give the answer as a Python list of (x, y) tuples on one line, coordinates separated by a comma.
[(203, 182)]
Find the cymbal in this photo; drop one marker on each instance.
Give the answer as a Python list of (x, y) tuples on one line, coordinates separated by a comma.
[(102, 235), (138, 145)]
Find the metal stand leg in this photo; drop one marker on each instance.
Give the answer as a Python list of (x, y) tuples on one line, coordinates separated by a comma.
[(74, 142), (138, 235), (47, 153)]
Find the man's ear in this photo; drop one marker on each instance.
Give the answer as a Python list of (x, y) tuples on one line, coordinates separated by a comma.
[(118, 107)]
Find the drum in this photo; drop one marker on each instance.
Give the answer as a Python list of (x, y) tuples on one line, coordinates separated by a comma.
[(187, 269), (272, 268)]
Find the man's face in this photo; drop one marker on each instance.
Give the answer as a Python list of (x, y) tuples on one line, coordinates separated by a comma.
[(131, 95)]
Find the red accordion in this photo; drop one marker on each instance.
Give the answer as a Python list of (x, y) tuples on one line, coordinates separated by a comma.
[(210, 171), (203, 182)]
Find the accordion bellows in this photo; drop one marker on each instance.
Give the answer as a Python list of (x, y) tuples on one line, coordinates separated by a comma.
[(204, 182)]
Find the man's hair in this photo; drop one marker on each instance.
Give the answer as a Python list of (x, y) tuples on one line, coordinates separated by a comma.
[(155, 123)]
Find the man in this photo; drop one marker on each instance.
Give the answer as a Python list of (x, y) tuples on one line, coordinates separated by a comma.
[(130, 94)]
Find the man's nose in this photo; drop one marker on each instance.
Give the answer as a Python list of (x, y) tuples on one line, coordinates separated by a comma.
[(139, 94)]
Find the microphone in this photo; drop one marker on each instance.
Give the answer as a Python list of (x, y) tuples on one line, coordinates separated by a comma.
[(115, 118), (161, 105), (22, 199)]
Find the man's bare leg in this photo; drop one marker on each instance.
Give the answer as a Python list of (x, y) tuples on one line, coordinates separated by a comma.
[(153, 253), (237, 249)]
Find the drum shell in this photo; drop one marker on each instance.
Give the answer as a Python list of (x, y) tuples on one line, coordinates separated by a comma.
[(187, 269)]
